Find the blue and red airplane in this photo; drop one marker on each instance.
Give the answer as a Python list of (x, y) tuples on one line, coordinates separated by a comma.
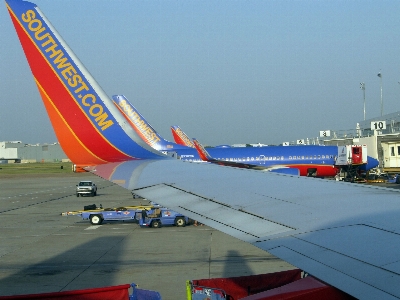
[(317, 161)]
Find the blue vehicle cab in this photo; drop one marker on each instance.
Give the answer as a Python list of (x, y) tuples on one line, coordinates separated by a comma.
[(158, 217)]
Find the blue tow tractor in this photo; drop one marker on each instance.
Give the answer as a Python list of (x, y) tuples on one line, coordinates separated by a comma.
[(160, 216)]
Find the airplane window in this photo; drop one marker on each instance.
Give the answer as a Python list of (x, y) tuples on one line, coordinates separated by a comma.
[(319, 156), (302, 157), (252, 158), (290, 157)]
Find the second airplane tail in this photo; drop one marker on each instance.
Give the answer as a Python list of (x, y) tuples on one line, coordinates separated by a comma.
[(142, 127), (181, 138)]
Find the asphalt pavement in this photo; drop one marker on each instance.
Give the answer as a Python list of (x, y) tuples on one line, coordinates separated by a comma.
[(42, 251)]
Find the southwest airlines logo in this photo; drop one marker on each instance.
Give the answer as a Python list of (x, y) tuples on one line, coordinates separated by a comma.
[(150, 136), (70, 76), (184, 138)]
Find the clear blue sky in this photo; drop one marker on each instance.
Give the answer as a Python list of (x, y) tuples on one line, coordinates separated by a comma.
[(224, 71)]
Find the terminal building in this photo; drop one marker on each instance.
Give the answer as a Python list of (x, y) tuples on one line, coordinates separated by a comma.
[(380, 134), (16, 151)]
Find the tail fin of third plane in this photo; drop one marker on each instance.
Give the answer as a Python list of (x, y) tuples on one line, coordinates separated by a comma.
[(204, 155), (86, 122)]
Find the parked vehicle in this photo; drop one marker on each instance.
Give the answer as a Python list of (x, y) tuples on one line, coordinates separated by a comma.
[(87, 188), (158, 217), (395, 178)]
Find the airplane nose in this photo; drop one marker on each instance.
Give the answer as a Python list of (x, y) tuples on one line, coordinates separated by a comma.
[(371, 163)]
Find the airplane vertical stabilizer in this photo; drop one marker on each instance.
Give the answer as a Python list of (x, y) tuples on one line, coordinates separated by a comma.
[(142, 128), (204, 155), (87, 124), (180, 137)]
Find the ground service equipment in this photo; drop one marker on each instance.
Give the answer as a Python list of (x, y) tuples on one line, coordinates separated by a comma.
[(158, 217)]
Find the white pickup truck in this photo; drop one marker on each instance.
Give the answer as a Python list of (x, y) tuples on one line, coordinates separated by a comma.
[(86, 188)]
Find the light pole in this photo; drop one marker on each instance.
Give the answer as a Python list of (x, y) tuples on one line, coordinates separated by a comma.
[(362, 86), (380, 76)]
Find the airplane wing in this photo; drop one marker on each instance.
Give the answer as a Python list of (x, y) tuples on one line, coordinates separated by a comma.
[(344, 234)]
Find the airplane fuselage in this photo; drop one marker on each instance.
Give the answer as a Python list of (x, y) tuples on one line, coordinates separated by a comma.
[(310, 160)]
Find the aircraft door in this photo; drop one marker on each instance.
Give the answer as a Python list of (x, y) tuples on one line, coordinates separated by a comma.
[(312, 172), (262, 159), (356, 155)]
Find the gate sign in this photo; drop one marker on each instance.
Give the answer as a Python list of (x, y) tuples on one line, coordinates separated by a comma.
[(378, 125), (300, 142), (324, 133)]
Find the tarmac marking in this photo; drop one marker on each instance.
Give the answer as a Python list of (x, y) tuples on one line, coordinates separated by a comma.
[(92, 227)]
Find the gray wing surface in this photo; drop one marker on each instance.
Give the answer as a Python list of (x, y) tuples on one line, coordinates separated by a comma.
[(344, 234)]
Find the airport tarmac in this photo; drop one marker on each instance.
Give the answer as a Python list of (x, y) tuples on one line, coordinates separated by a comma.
[(42, 251)]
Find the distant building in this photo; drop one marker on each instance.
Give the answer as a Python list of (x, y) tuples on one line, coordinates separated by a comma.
[(16, 151), (382, 144)]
